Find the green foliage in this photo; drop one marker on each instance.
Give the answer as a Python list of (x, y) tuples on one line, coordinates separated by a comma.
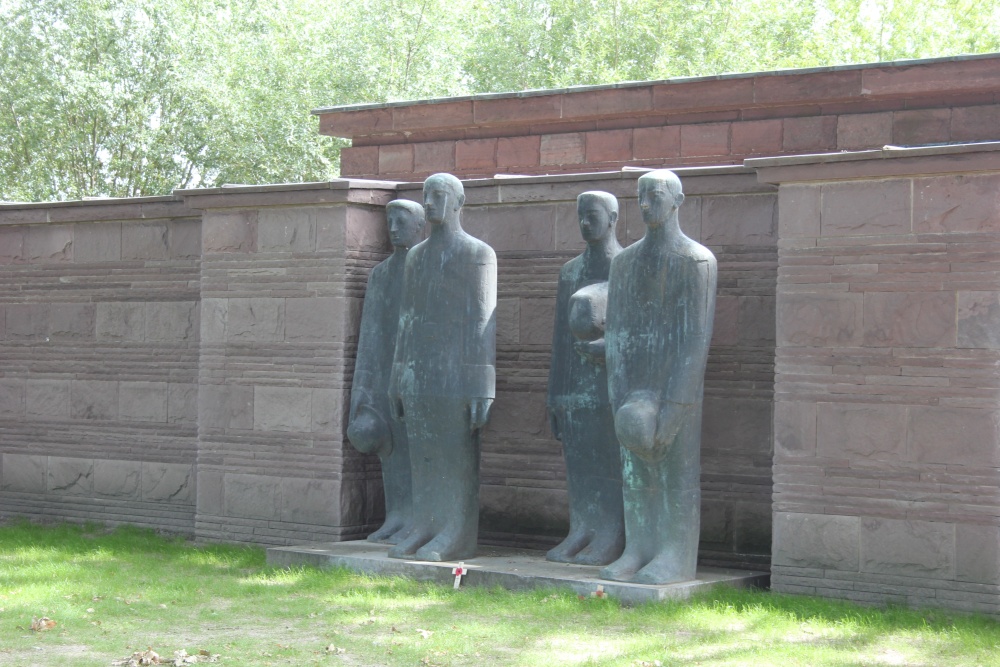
[(137, 97), (112, 593)]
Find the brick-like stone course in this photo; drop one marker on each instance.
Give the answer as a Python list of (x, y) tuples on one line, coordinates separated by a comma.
[(681, 122), (887, 429)]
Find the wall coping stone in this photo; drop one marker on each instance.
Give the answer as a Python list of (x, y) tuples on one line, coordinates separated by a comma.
[(95, 209), (353, 190), (683, 100), (336, 184), (625, 173), (88, 201), (888, 161), (537, 92)]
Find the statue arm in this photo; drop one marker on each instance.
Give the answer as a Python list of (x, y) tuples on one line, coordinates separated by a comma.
[(370, 345), (482, 355), (401, 353), (562, 340)]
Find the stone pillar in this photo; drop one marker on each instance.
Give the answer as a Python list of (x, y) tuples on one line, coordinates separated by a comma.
[(887, 422), (283, 275)]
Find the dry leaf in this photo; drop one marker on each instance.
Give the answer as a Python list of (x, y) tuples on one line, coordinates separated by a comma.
[(150, 657), (425, 633), (334, 649), (42, 624)]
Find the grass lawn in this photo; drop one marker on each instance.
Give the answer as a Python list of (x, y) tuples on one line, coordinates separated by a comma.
[(114, 593)]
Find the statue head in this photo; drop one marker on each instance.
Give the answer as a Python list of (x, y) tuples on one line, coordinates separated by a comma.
[(405, 220), (660, 196), (598, 214), (443, 198)]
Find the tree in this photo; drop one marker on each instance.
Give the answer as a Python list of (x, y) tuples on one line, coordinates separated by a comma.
[(137, 97)]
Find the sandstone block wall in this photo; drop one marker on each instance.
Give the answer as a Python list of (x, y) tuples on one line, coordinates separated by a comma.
[(887, 428), (680, 122), (532, 225), (283, 273), (192, 371), (99, 321)]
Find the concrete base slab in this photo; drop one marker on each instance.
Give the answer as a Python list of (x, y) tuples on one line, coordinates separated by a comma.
[(514, 569)]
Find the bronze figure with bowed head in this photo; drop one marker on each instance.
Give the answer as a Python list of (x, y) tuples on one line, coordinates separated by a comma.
[(371, 428), (579, 412), (661, 303), (443, 377)]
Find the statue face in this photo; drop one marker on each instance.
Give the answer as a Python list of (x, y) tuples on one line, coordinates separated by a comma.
[(404, 227), (596, 222), (439, 200), (655, 202)]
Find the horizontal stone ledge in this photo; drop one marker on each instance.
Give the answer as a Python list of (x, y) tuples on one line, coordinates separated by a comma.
[(858, 84), (885, 162)]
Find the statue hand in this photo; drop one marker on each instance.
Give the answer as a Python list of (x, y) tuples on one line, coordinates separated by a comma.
[(669, 422), (554, 424), (647, 426), (479, 413), (593, 351)]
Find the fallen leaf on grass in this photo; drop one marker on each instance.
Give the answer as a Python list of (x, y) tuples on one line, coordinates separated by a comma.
[(150, 657), (425, 633), (334, 649), (42, 624), (139, 659)]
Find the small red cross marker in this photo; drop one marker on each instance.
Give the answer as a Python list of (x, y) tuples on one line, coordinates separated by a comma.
[(459, 572)]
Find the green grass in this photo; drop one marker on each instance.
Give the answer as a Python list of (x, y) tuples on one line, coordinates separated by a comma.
[(116, 592)]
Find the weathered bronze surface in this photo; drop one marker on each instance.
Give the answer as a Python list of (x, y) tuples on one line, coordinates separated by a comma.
[(443, 377), (579, 411), (661, 303), (371, 428)]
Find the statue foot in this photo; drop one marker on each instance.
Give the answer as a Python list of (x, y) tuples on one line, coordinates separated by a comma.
[(603, 549), (444, 547), (565, 551), (407, 547), (624, 568), (664, 569), (390, 532)]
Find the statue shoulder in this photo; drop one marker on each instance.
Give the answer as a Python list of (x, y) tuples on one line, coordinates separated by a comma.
[(626, 256), (700, 253), (480, 250), (380, 270), (571, 269)]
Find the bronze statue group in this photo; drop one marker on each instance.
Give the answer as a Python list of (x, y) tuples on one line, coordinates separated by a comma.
[(630, 344)]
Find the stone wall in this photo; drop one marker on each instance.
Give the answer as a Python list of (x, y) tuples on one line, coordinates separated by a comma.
[(222, 350), (99, 307), (532, 224), (679, 122), (887, 429)]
